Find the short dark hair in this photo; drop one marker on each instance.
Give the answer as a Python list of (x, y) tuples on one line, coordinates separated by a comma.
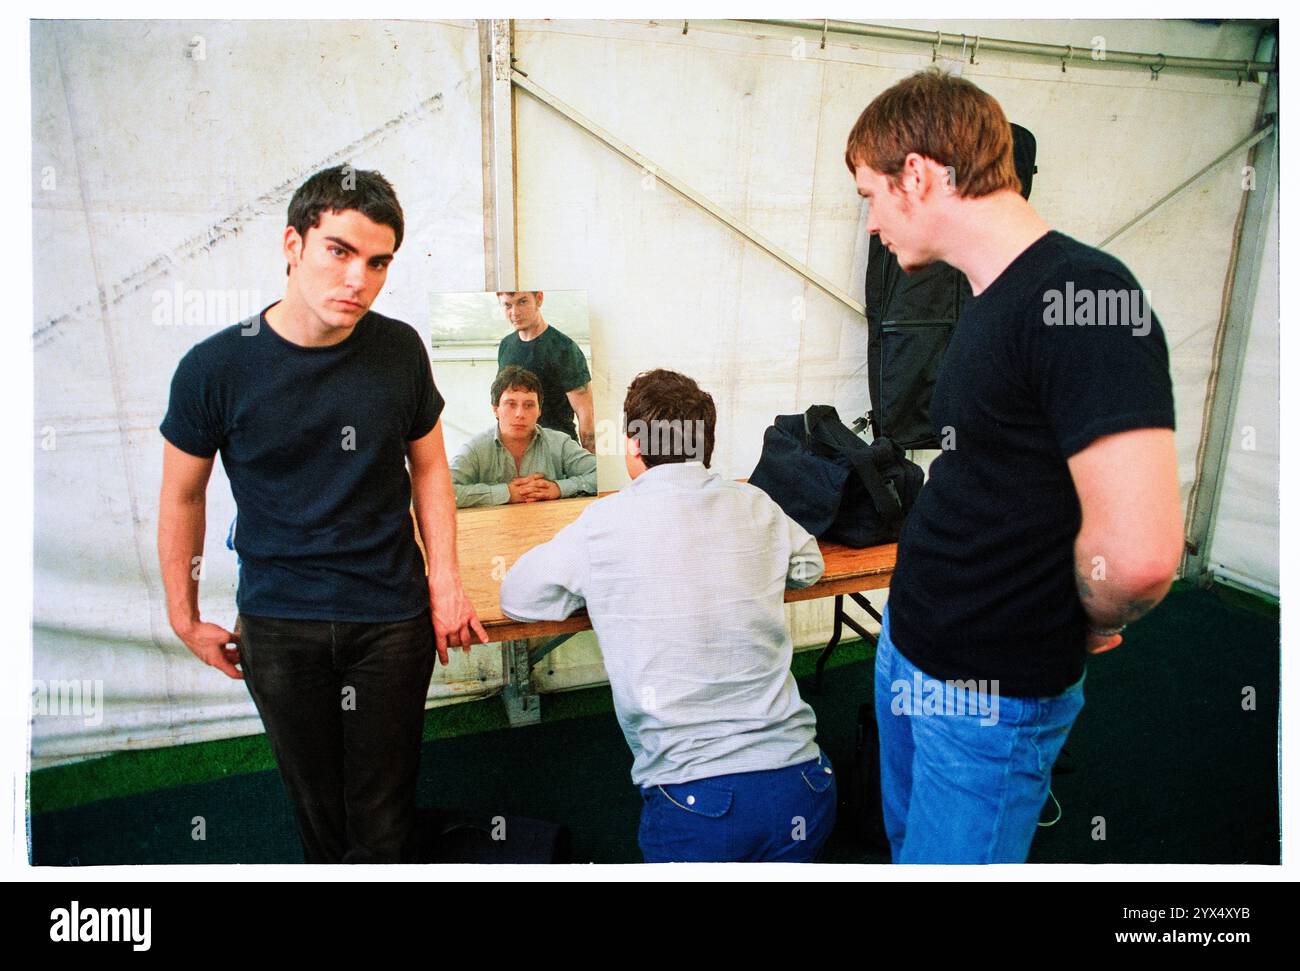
[(513, 376), (670, 417), (340, 188)]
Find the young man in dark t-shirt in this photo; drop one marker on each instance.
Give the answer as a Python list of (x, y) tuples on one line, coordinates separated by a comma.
[(317, 406), (538, 347), (1051, 519)]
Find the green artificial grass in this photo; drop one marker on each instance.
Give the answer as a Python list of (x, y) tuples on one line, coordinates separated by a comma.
[(131, 773), (1169, 760)]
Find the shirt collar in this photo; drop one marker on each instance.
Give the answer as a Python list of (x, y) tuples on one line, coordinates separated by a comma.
[(673, 473), (496, 436)]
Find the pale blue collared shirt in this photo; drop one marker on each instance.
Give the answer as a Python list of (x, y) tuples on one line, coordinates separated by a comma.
[(483, 468), (684, 574)]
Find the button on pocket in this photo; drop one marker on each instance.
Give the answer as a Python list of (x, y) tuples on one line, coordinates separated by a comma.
[(819, 775), (700, 798)]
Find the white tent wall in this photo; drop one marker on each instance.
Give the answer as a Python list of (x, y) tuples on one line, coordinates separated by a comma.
[(172, 150), (1244, 541), (174, 171), (756, 122)]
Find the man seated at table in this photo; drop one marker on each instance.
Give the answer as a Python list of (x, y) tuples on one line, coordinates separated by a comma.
[(518, 460), (683, 574)]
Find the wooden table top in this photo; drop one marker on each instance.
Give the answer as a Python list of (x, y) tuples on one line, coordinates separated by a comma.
[(490, 538)]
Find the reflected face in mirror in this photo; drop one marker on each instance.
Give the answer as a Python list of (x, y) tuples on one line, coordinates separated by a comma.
[(517, 412), (524, 311)]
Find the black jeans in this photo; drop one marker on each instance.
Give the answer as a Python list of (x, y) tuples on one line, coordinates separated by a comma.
[(343, 706)]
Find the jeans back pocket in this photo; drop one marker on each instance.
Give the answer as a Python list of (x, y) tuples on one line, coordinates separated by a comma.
[(701, 798), (819, 775)]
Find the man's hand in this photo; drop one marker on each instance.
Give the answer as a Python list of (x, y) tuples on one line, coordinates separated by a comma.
[(523, 489), (1101, 643), (541, 490), (210, 644), (454, 618)]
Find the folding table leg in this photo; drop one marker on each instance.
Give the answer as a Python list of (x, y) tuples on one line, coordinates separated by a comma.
[(523, 704), (841, 619)]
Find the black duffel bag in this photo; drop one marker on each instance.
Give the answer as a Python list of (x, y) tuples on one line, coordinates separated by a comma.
[(834, 484)]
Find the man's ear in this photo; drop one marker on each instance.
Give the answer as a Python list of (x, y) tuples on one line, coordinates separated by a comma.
[(633, 448), (293, 246), (914, 177)]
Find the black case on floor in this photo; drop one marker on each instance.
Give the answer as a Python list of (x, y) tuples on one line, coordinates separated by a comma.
[(453, 837)]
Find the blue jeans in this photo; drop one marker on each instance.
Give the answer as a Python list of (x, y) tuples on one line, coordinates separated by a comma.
[(783, 815), (963, 781)]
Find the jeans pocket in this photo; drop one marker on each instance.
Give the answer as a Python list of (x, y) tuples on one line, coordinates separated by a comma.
[(819, 775), (707, 799), (690, 822), (279, 628)]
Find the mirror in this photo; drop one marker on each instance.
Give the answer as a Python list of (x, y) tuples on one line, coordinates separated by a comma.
[(520, 438)]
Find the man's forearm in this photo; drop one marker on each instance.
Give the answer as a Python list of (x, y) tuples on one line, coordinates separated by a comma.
[(577, 485), (480, 494), (585, 409), (435, 513), (181, 526)]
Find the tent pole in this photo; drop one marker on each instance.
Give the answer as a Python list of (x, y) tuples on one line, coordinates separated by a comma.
[(505, 267), (1059, 52), (1259, 183)]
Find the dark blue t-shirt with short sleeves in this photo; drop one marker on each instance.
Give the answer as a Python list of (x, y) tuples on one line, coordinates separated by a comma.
[(1061, 349), (314, 442), (559, 364)]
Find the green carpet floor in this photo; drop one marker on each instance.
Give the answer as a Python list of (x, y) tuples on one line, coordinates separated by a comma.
[(1164, 762)]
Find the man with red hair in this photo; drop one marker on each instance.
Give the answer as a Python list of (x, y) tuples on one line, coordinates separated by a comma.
[(1050, 520)]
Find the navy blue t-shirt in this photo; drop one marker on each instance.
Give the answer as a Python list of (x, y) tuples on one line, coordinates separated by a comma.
[(558, 362), (1060, 350), (314, 442)]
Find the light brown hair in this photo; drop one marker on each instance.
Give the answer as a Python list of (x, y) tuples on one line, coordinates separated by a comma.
[(941, 117)]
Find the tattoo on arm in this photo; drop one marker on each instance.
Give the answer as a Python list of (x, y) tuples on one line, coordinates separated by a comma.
[(1135, 609), (1081, 581)]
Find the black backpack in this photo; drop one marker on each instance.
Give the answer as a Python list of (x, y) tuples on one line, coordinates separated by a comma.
[(910, 319)]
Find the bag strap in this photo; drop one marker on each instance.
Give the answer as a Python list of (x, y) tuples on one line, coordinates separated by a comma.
[(822, 425)]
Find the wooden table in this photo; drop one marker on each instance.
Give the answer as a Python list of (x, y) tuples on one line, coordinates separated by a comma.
[(489, 539)]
